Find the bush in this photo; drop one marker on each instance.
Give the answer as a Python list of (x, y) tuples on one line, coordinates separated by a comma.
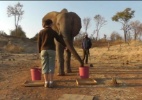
[(35, 38), (19, 33), (2, 33)]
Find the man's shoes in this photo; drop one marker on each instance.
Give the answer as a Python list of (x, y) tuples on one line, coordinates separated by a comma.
[(51, 85), (46, 85)]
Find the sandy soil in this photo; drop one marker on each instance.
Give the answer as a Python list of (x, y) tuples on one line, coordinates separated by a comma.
[(124, 64)]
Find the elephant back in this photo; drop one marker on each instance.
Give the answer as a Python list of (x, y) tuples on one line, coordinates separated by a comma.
[(76, 23)]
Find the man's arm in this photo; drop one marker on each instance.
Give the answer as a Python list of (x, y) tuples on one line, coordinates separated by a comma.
[(39, 42), (59, 39), (82, 44)]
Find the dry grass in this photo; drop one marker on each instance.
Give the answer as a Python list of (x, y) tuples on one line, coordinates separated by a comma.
[(121, 52), (107, 65), (13, 48)]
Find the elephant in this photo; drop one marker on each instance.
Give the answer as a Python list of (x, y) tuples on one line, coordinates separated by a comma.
[(67, 25)]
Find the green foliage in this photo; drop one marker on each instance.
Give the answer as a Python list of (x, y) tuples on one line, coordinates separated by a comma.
[(19, 33), (124, 16)]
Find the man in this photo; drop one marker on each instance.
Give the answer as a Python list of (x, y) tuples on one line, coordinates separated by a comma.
[(86, 45), (47, 48)]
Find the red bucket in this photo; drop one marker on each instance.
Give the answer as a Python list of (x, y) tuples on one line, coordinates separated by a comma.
[(35, 73), (84, 72)]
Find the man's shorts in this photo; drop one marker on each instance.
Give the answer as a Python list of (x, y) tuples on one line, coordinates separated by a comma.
[(48, 61)]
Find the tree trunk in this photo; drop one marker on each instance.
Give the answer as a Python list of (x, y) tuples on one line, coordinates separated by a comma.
[(97, 36), (15, 25), (135, 36), (125, 36)]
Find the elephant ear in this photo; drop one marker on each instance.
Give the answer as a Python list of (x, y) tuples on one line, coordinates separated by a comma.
[(76, 23), (64, 10)]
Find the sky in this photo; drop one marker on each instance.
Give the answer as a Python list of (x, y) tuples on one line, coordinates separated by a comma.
[(34, 11)]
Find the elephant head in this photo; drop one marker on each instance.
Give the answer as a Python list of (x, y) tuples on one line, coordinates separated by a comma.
[(68, 25)]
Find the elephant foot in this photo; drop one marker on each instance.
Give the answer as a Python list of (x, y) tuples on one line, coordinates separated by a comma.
[(61, 74)]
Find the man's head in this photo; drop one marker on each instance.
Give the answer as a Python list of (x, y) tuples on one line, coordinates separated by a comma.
[(48, 22), (86, 35)]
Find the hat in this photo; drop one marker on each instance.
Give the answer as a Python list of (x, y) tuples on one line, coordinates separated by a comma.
[(86, 35), (48, 22)]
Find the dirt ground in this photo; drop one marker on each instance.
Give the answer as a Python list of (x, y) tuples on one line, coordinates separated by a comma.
[(121, 62)]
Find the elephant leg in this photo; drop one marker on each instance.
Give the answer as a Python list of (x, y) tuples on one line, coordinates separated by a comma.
[(60, 58), (67, 61), (68, 58)]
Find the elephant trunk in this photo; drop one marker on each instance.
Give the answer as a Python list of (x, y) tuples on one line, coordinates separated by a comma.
[(73, 51)]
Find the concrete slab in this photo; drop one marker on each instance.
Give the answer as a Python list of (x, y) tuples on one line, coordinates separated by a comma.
[(75, 97), (33, 83), (88, 81)]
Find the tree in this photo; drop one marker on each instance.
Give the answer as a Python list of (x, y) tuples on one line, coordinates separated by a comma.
[(100, 21), (17, 12), (140, 33), (2, 33), (18, 33), (136, 28), (123, 17), (86, 23), (115, 36), (78, 39), (105, 37)]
